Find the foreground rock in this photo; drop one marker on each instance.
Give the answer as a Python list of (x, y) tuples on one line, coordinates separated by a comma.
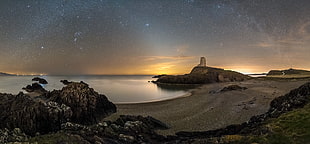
[(87, 105), (126, 129), (76, 103), (21, 111)]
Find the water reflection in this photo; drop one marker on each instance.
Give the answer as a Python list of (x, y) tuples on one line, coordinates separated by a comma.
[(119, 89), (175, 87)]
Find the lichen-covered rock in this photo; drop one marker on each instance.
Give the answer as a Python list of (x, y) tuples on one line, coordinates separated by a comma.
[(15, 135), (87, 105)]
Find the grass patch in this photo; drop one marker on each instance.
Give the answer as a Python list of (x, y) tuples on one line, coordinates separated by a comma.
[(290, 128)]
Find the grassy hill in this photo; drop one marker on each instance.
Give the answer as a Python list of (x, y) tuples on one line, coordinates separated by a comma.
[(289, 73), (203, 75)]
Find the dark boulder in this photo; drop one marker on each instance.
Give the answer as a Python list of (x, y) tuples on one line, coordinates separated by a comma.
[(65, 82), (21, 111), (40, 80), (232, 88), (149, 121), (87, 105), (35, 87), (15, 135)]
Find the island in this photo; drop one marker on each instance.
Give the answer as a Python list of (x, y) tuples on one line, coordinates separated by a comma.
[(202, 74)]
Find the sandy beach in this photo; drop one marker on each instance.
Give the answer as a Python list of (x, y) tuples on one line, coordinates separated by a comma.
[(203, 110)]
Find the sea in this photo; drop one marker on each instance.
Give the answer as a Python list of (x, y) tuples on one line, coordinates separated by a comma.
[(119, 89)]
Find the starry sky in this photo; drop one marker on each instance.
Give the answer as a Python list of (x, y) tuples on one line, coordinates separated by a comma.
[(152, 36)]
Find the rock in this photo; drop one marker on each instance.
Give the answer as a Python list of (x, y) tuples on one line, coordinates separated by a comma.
[(202, 74), (232, 88), (149, 121), (32, 116), (158, 76), (87, 105), (40, 80), (15, 135), (126, 138), (69, 126), (35, 87), (65, 82)]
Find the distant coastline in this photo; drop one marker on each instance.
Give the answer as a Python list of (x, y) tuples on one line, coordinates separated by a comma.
[(6, 74)]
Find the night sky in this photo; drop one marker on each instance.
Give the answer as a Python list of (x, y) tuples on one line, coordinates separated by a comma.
[(152, 36)]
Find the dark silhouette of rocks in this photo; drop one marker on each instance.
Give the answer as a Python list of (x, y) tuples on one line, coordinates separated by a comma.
[(40, 80), (21, 111), (87, 105), (204, 75), (65, 82), (35, 87), (76, 102), (158, 76)]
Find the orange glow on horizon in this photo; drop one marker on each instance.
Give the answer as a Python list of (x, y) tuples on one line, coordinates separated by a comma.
[(167, 68)]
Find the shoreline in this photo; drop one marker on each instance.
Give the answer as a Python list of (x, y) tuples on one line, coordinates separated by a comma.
[(203, 111), (187, 94)]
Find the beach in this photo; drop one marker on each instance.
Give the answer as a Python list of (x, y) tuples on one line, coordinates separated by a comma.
[(207, 108)]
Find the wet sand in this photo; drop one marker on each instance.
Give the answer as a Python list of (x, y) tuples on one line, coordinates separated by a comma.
[(206, 111)]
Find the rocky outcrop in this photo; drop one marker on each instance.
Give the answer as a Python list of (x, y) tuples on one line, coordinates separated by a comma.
[(87, 105), (65, 82), (15, 135), (288, 72), (76, 103), (21, 111), (35, 87), (204, 75), (228, 88), (126, 129), (40, 80), (232, 88)]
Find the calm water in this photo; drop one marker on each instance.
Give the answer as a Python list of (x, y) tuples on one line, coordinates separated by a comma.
[(119, 89)]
